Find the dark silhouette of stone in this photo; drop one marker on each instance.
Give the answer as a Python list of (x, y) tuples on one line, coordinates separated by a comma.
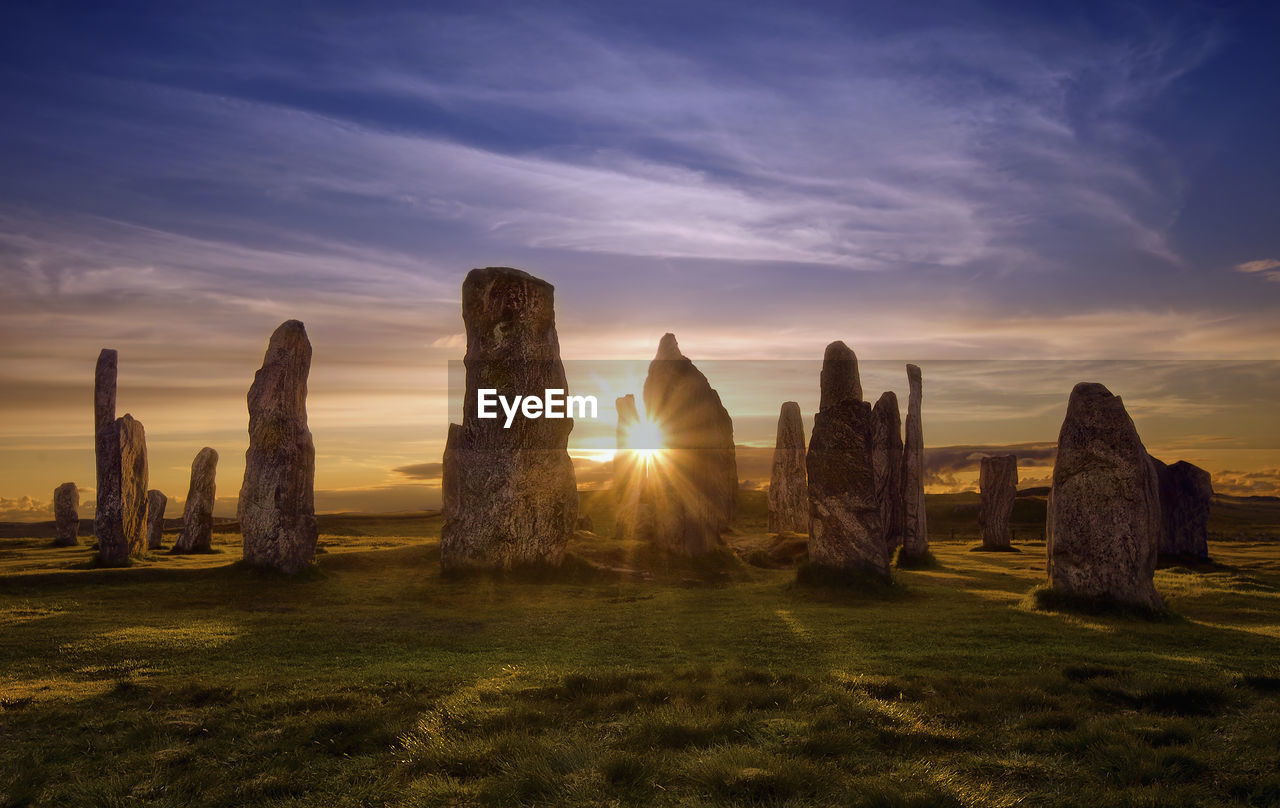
[(845, 533), (788, 487), (1104, 508), (998, 486), (1185, 493), (886, 462), (516, 490), (449, 480), (586, 524), (839, 381), (691, 486), (277, 498), (915, 530), (197, 512), (133, 494), (108, 522), (66, 515), (156, 503)]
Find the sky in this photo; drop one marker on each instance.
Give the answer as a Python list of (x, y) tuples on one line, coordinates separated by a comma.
[(950, 181)]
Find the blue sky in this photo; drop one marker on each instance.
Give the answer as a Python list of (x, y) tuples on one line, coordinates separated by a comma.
[(953, 180)]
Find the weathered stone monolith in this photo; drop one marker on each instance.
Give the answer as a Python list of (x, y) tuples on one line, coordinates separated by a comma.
[(998, 487), (1185, 493), (915, 530), (517, 495), (788, 487), (1103, 520), (692, 484), (277, 498), (197, 512), (108, 524), (133, 491), (886, 462), (156, 503), (66, 515), (839, 381)]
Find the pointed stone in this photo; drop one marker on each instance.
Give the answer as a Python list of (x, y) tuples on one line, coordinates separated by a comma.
[(66, 515), (277, 498), (692, 484), (915, 530), (1104, 519), (156, 503), (839, 381), (516, 491), (197, 512), (886, 462), (108, 524), (788, 486), (1186, 491), (998, 488)]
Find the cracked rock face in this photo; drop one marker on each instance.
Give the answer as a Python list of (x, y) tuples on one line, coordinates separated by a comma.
[(66, 515), (1186, 491), (197, 513), (788, 484), (998, 487), (915, 528), (1104, 520), (277, 499), (513, 498)]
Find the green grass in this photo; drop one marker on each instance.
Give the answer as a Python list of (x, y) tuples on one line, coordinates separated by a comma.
[(375, 681)]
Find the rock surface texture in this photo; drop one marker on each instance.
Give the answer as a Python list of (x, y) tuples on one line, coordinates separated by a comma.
[(1104, 507), (197, 513), (156, 503), (845, 531), (998, 487), (788, 486), (1185, 493), (277, 498), (517, 499), (66, 515), (691, 485), (108, 523), (886, 462), (915, 530), (133, 488)]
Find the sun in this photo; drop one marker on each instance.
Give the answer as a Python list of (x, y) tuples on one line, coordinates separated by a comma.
[(645, 439)]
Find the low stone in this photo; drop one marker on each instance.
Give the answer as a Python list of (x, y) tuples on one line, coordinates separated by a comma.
[(66, 515), (156, 503), (1186, 491), (197, 512), (998, 487)]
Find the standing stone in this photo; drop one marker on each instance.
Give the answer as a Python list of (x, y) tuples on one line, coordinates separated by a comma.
[(277, 499), (886, 462), (517, 494), (844, 515), (1104, 507), (133, 491), (449, 494), (197, 512), (156, 503), (108, 525), (1185, 493), (998, 487), (692, 484), (839, 381), (915, 530), (788, 487), (66, 515)]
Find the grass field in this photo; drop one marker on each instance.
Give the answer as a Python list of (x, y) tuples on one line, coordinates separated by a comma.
[(373, 681)]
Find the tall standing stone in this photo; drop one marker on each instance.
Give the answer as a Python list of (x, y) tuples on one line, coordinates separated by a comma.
[(886, 462), (788, 486), (1185, 493), (133, 492), (197, 512), (108, 524), (915, 530), (839, 381), (66, 515), (998, 488), (517, 494), (277, 499), (845, 531), (156, 503), (1104, 519), (692, 485)]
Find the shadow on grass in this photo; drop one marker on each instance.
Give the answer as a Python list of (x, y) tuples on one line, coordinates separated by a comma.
[(923, 561), (1044, 598), (982, 548), (845, 585)]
